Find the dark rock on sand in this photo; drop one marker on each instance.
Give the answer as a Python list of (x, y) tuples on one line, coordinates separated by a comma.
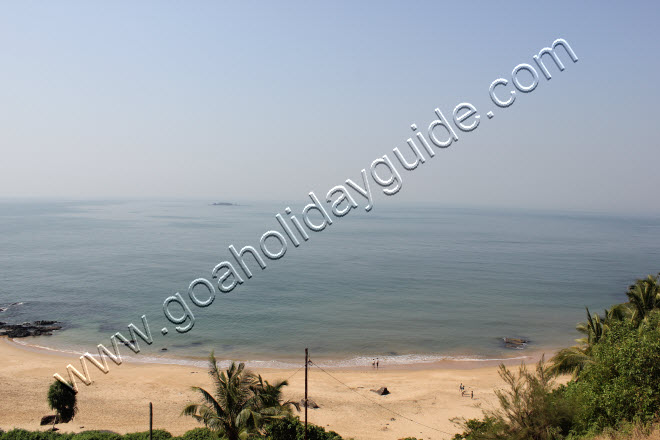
[(310, 402), (382, 391)]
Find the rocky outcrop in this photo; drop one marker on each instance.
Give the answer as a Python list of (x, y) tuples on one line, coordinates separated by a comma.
[(37, 328)]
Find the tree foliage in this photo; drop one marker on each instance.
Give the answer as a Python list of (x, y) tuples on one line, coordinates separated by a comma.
[(62, 399), (241, 403)]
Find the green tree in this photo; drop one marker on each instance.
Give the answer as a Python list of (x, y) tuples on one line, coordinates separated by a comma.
[(241, 404), (622, 382), (644, 297), (62, 399), (573, 360), (268, 398)]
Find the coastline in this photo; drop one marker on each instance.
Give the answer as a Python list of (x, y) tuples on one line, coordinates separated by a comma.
[(403, 361), (118, 400)]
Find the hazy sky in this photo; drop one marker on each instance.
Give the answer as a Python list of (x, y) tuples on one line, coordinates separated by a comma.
[(241, 100)]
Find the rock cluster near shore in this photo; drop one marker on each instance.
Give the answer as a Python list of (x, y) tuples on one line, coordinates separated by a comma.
[(517, 343), (36, 328)]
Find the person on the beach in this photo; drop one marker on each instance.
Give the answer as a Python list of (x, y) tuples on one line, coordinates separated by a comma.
[(471, 394), (461, 388), (377, 362), (373, 364)]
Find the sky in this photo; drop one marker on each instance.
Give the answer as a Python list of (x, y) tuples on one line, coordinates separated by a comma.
[(231, 101)]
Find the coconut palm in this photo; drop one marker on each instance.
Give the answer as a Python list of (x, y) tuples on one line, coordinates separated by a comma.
[(241, 403), (644, 297), (269, 398), (573, 360), (592, 329), (62, 399)]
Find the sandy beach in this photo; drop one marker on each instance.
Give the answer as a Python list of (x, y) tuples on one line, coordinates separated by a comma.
[(118, 401)]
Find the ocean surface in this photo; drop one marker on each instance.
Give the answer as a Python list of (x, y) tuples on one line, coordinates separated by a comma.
[(405, 283)]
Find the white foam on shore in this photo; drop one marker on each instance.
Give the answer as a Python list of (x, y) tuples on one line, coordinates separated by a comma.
[(354, 362)]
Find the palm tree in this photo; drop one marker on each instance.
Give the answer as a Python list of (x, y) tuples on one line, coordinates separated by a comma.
[(269, 397), (573, 360), (644, 297), (592, 329), (62, 399), (241, 403)]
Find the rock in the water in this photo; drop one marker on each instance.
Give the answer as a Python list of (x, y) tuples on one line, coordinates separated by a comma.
[(49, 420), (382, 391), (163, 349), (310, 403), (518, 343), (38, 328)]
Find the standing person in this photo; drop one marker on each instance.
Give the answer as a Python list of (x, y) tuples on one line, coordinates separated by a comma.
[(472, 394), (377, 362), (460, 388), (373, 364)]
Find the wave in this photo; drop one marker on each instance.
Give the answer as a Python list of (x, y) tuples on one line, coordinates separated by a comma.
[(15, 304), (354, 362)]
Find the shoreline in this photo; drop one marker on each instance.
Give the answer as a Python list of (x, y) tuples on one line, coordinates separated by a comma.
[(118, 401), (402, 362)]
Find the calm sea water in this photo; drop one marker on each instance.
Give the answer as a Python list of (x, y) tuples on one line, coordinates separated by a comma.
[(405, 283)]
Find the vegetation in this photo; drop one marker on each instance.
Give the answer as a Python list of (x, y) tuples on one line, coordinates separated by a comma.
[(241, 405), (62, 399), (615, 383), (281, 429), (292, 429)]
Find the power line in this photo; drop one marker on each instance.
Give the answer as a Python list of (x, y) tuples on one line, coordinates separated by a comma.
[(294, 373), (378, 404)]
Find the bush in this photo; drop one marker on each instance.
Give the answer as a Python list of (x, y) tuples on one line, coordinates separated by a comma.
[(96, 435), (199, 434), (293, 429), (476, 429), (158, 434), (22, 434)]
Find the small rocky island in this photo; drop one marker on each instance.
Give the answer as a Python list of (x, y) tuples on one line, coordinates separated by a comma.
[(36, 328), (223, 204)]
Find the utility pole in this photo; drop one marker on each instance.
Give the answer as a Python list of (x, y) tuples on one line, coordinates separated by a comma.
[(151, 421), (306, 365)]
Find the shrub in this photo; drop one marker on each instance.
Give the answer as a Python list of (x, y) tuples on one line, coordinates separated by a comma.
[(96, 435), (293, 429), (22, 434), (476, 429), (158, 434), (199, 434)]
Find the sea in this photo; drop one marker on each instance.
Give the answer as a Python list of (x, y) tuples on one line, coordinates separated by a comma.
[(409, 284)]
